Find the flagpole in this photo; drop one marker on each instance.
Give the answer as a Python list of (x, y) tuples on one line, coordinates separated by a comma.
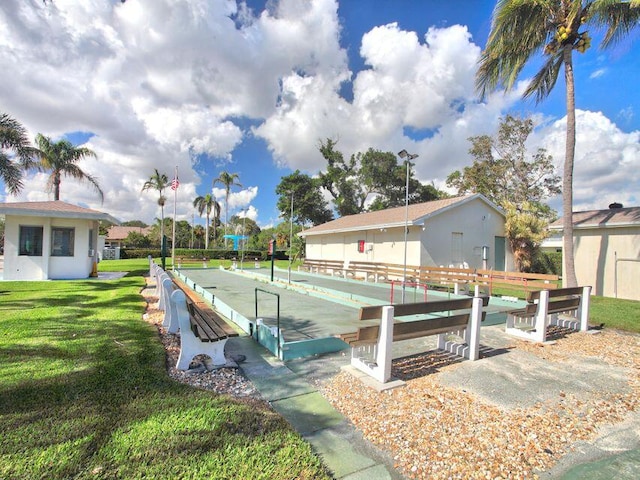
[(173, 234)]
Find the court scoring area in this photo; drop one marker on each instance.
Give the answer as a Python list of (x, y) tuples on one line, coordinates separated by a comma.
[(302, 315)]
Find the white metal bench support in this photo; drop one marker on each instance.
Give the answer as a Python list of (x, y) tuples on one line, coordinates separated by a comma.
[(190, 345), (375, 359)]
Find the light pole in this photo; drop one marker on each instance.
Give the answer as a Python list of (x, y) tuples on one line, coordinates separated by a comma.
[(290, 239), (408, 156), (244, 240)]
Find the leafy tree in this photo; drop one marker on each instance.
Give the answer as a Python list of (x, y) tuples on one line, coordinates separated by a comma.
[(199, 234), (158, 181), (60, 159), (137, 240), (134, 223), (228, 180), (373, 176), (525, 231), (208, 204), (502, 170), (14, 144), (309, 206), (243, 226), (520, 31)]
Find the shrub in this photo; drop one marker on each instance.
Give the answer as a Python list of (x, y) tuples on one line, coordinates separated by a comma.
[(548, 262)]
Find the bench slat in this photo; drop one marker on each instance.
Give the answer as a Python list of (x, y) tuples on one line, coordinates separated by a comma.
[(558, 292)]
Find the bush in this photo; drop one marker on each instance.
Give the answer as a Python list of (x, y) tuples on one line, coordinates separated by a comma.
[(548, 262), (198, 253)]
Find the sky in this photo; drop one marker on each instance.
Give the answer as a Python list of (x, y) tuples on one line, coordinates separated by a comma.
[(251, 88)]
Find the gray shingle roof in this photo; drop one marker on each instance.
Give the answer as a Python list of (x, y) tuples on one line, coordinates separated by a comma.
[(391, 217), (614, 217)]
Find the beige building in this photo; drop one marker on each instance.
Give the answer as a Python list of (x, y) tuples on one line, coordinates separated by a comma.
[(463, 231), (116, 235), (607, 250)]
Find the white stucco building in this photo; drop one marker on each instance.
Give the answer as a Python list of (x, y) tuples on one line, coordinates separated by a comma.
[(50, 240), (607, 250), (461, 231)]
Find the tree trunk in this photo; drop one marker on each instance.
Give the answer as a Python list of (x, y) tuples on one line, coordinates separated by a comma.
[(56, 186), (206, 238), (569, 274)]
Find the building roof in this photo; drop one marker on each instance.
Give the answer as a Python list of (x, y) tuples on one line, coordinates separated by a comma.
[(609, 218), (56, 209), (394, 217), (116, 232)]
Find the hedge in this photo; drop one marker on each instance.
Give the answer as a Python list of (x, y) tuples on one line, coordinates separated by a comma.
[(548, 262), (200, 253)]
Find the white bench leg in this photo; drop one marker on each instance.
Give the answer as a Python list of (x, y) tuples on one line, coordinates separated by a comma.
[(381, 369), (190, 345)]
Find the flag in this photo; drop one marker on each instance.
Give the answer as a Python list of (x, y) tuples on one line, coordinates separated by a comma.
[(175, 183)]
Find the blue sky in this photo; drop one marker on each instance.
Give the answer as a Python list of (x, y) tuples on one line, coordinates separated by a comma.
[(216, 85)]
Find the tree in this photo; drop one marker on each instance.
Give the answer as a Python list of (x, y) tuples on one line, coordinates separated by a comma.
[(521, 31), (228, 180), (14, 144), (374, 177), (309, 206), (60, 159), (137, 240), (502, 170), (158, 181), (134, 223), (525, 231), (208, 204)]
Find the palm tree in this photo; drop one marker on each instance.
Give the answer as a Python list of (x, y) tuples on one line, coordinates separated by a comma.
[(208, 204), (60, 159), (520, 31), (228, 180), (158, 181), (13, 139)]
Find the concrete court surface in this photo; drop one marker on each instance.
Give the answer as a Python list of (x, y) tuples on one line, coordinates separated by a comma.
[(313, 306), (505, 376)]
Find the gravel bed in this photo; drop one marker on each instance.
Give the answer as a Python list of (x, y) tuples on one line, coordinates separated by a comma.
[(427, 426), (201, 373)]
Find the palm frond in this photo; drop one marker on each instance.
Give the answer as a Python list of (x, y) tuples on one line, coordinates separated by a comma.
[(544, 81), (520, 29), (618, 18)]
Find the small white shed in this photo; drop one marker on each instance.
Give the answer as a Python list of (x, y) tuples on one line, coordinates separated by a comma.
[(461, 231), (50, 240)]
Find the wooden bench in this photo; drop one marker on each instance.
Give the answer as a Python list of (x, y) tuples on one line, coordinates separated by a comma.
[(439, 277), (202, 330), (371, 346), (365, 271), (192, 261), (331, 267), (564, 307), (526, 281)]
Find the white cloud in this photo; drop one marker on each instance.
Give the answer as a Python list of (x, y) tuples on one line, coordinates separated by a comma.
[(159, 81), (607, 160), (598, 73)]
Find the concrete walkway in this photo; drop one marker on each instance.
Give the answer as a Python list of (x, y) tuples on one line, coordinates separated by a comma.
[(342, 448)]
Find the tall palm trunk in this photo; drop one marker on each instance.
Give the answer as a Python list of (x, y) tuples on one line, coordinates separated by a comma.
[(206, 238), (56, 186), (569, 279)]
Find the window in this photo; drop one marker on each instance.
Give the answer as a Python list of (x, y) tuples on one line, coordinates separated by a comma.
[(62, 242), (30, 241)]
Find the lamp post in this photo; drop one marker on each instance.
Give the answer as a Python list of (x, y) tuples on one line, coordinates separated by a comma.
[(290, 239), (408, 156), (244, 240)]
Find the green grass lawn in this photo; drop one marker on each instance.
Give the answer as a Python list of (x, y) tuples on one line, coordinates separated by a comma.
[(84, 393)]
